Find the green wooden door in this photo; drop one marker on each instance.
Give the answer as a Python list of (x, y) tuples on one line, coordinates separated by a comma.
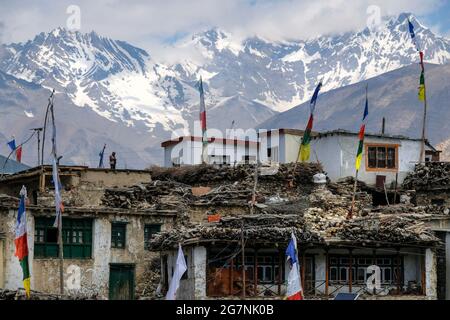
[(121, 282)]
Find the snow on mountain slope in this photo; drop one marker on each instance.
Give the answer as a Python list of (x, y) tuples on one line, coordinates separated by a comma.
[(284, 74)]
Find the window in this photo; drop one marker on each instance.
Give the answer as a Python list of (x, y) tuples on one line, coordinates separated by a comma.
[(272, 154), (340, 266), (118, 234), (149, 232), (77, 238), (219, 159), (382, 157)]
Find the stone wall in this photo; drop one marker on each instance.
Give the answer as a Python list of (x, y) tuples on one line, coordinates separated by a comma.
[(94, 272)]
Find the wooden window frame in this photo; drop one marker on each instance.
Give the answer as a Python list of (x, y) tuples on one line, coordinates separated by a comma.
[(114, 241), (147, 227), (386, 145), (72, 250)]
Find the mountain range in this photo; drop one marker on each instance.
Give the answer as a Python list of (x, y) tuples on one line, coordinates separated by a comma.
[(109, 91)]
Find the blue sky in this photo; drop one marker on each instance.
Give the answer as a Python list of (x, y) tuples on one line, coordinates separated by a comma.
[(155, 24), (439, 19)]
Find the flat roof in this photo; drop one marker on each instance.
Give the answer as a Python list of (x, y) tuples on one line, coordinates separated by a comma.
[(210, 140), (64, 169), (368, 134), (294, 132)]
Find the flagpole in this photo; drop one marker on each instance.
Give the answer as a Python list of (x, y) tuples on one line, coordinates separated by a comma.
[(50, 102), (359, 152), (60, 236), (422, 149), (350, 214), (243, 259)]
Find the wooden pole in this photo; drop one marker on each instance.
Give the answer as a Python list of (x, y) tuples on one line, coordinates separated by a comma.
[(385, 193), (424, 121), (60, 235), (255, 272), (303, 269), (350, 214), (50, 103), (243, 259), (350, 272), (327, 268), (232, 278), (396, 186), (255, 185), (280, 270), (61, 256)]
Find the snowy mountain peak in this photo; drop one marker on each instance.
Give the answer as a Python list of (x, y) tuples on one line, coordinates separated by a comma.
[(249, 79)]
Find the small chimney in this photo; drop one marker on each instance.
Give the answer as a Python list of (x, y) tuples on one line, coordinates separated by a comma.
[(383, 126)]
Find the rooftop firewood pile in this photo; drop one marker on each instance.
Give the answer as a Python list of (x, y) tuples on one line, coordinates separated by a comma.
[(263, 228), (172, 187), (382, 228), (403, 209), (148, 284), (157, 195), (19, 294), (8, 200), (429, 176), (212, 175)]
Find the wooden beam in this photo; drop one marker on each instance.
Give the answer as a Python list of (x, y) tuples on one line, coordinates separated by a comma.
[(255, 272), (350, 271), (327, 268)]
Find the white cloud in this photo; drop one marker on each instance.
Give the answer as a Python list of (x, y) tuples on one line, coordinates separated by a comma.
[(149, 23)]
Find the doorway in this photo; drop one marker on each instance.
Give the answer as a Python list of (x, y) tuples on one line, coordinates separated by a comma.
[(121, 281)]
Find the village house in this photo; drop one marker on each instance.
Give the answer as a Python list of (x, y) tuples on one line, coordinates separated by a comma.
[(106, 253), (188, 151), (386, 159), (337, 254), (280, 145)]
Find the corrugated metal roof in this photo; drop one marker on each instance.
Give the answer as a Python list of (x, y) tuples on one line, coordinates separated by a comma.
[(11, 166)]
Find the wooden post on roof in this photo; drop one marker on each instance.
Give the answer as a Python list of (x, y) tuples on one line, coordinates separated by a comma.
[(243, 259), (327, 270), (255, 272), (350, 272), (280, 270)]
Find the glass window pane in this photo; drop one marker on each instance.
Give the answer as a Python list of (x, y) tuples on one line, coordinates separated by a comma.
[(391, 158), (372, 157), (381, 157)]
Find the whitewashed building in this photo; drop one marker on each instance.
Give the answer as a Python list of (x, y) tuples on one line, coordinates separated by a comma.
[(280, 145), (188, 151), (385, 157)]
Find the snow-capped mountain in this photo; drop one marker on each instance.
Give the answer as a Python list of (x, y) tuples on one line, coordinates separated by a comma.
[(246, 80), (284, 74)]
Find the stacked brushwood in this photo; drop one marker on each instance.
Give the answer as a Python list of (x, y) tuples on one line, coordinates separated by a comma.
[(156, 195), (149, 281), (344, 187), (8, 200), (256, 228), (379, 228), (19, 294), (429, 176), (210, 175), (227, 194), (411, 209)]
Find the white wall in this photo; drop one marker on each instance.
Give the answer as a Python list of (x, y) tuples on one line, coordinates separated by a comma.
[(192, 152), (194, 287), (337, 153)]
